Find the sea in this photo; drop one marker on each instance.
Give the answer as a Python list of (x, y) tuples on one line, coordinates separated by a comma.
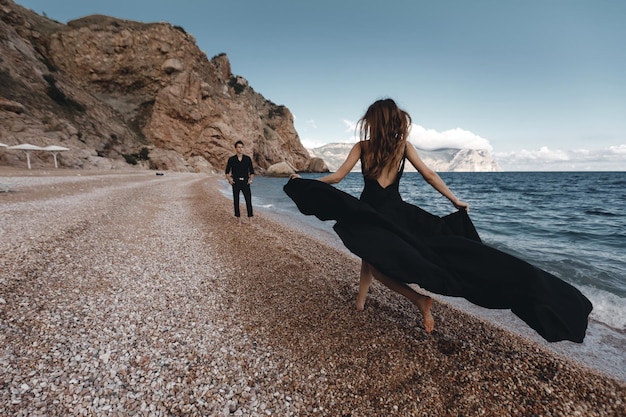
[(571, 224)]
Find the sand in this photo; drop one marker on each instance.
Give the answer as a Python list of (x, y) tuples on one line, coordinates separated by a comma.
[(126, 293)]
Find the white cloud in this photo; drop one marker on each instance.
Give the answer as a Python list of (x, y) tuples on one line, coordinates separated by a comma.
[(431, 139), (350, 126), (612, 158), (618, 150), (311, 140), (454, 138)]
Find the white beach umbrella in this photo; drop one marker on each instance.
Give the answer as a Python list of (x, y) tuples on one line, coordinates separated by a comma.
[(55, 150), (26, 147)]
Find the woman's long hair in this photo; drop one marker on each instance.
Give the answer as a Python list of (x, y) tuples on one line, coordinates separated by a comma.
[(385, 128)]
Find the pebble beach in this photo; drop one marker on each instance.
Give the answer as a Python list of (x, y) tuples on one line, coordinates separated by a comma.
[(124, 293)]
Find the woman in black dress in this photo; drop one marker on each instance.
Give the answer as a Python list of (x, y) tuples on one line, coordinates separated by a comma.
[(400, 243)]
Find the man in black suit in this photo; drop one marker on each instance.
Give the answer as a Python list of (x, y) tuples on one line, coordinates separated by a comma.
[(239, 173)]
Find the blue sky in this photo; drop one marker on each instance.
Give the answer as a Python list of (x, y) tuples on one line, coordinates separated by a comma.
[(541, 83)]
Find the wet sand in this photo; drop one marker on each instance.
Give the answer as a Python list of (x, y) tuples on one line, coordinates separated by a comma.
[(124, 292)]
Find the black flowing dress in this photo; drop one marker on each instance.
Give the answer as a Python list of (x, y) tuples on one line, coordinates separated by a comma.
[(443, 255)]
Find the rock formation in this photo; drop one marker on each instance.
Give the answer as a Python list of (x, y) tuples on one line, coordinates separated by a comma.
[(281, 169), (318, 165), (442, 160), (119, 92), (460, 160)]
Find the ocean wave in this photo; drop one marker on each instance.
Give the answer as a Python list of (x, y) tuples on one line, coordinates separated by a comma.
[(607, 308), (599, 212)]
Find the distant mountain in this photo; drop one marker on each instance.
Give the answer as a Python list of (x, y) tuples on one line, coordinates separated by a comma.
[(442, 160)]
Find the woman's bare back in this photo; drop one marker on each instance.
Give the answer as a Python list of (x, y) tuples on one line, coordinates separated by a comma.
[(387, 177), (389, 174)]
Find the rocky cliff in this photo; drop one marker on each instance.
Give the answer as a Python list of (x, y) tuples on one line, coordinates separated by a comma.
[(119, 92), (442, 160)]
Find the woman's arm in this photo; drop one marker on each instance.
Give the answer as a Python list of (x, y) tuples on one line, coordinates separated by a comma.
[(344, 169), (433, 178)]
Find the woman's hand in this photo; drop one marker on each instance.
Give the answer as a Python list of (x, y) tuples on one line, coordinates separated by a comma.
[(461, 205), (292, 176)]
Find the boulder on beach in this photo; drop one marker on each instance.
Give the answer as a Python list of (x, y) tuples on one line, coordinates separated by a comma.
[(318, 165), (281, 169)]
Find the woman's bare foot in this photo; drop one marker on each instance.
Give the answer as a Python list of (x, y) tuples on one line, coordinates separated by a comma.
[(360, 302), (424, 305), (365, 280), (423, 302)]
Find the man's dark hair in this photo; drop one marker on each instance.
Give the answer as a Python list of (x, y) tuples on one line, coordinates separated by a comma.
[(239, 142)]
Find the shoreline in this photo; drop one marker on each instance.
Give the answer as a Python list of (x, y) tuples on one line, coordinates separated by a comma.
[(246, 319), (604, 346)]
